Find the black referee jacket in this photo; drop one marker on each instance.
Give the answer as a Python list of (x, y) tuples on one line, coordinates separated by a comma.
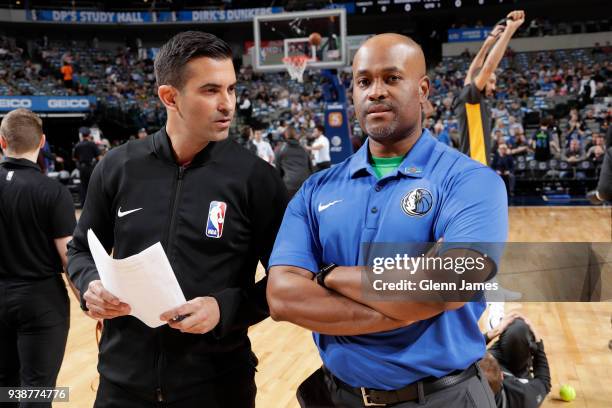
[(172, 206)]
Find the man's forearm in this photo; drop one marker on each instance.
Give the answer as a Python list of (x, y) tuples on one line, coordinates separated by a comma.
[(297, 299), (347, 281), (479, 59)]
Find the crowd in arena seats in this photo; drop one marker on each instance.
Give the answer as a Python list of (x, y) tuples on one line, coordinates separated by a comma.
[(539, 27), (551, 108)]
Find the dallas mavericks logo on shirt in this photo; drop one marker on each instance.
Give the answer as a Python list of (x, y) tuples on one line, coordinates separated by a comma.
[(216, 218), (418, 202)]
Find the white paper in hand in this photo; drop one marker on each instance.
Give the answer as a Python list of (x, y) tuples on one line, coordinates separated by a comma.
[(144, 281)]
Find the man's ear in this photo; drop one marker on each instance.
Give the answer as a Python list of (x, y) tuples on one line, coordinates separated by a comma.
[(424, 89), (167, 94), (3, 144), (43, 140)]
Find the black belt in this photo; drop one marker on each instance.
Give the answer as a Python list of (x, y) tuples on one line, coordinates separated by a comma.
[(411, 392)]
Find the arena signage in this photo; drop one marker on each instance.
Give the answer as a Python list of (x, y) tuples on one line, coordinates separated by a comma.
[(47, 103), (92, 17), (469, 34), (213, 16)]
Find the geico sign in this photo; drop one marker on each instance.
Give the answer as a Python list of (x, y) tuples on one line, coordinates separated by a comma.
[(15, 103), (68, 103)]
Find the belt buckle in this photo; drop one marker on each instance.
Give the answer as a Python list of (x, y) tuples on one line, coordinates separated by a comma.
[(366, 399)]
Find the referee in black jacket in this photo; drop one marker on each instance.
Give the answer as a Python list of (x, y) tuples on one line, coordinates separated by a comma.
[(36, 222), (215, 208)]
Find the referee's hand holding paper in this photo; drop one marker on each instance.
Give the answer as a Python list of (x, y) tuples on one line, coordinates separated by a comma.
[(142, 285)]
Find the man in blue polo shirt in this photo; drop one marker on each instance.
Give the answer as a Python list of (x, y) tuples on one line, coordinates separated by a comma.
[(402, 186)]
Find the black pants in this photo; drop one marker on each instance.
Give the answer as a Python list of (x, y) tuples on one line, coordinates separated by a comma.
[(235, 389), (34, 323), (514, 348), (85, 170), (320, 390)]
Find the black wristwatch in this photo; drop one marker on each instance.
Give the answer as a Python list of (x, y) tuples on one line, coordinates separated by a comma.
[(323, 272)]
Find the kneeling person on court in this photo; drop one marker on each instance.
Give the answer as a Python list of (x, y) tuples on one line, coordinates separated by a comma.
[(36, 219), (402, 186)]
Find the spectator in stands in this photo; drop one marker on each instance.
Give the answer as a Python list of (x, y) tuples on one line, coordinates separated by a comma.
[(500, 127), (293, 162), (574, 155), (516, 365), (67, 73), (520, 146), (595, 154), (245, 107), (542, 140), (516, 111), (142, 133), (441, 133), (320, 149), (264, 150), (515, 128), (503, 164), (500, 111)]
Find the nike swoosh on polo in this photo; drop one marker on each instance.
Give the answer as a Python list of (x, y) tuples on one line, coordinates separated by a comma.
[(323, 207), (123, 214)]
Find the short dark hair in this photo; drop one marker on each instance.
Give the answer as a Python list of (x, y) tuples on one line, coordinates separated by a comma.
[(174, 55), (22, 130), (321, 128)]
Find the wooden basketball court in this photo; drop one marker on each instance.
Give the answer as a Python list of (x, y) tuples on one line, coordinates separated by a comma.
[(576, 335)]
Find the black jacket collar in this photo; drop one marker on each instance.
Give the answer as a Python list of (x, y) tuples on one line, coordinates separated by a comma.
[(161, 147), (14, 162)]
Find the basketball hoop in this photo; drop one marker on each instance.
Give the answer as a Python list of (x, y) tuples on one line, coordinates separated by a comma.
[(296, 65)]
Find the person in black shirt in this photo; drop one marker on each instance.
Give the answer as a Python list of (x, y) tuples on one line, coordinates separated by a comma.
[(36, 219), (86, 154), (293, 162), (516, 365), (215, 208), (503, 164), (471, 105)]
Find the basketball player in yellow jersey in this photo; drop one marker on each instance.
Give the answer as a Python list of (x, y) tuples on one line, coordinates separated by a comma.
[(471, 105)]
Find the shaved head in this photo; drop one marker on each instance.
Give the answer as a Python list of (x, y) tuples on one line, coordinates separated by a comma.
[(391, 42), (390, 85)]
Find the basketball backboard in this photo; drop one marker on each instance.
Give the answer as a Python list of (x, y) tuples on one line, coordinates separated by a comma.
[(282, 35)]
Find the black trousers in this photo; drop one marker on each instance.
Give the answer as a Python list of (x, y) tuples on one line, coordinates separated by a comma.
[(235, 389), (85, 170), (515, 348), (34, 323), (320, 390)]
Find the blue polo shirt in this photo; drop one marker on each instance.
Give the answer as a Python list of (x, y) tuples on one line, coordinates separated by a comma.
[(339, 209)]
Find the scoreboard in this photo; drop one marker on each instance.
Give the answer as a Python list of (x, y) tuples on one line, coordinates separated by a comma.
[(407, 6)]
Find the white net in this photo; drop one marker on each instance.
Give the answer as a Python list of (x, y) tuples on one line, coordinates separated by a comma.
[(296, 65)]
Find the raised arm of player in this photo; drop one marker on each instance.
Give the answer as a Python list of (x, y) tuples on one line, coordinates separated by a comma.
[(513, 22), (479, 59)]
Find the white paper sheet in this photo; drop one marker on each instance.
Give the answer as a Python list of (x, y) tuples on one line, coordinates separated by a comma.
[(145, 281)]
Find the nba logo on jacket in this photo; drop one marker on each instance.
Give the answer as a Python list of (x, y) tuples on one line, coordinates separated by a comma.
[(216, 218)]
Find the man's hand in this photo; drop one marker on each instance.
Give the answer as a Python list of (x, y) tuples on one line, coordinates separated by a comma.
[(198, 316), (503, 325), (514, 20), (102, 304)]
